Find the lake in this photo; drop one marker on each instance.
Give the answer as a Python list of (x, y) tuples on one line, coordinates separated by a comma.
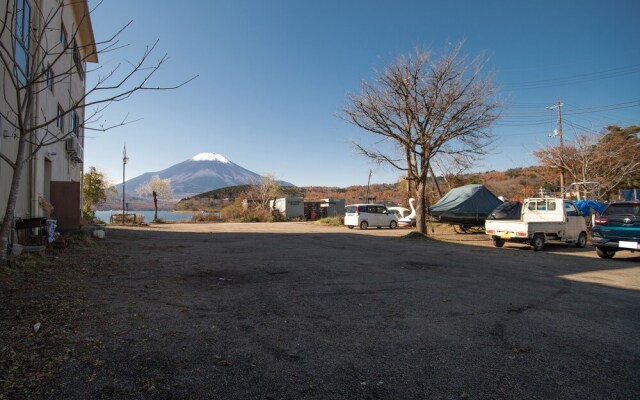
[(148, 215)]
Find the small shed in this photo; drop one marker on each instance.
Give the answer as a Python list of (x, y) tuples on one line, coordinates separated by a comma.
[(323, 208), (289, 207)]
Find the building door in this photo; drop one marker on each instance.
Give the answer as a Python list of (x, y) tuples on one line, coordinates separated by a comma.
[(65, 197)]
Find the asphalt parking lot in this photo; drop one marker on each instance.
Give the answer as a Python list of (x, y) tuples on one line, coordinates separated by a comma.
[(295, 310)]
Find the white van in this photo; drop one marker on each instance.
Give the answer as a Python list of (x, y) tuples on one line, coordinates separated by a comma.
[(366, 215)]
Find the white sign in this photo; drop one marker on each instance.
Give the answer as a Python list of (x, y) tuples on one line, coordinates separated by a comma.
[(628, 245)]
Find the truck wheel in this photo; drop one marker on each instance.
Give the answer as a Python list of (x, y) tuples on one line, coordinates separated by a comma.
[(393, 224), (364, 225), (497, 242), (537, 243), (605, 253), (582, 240)]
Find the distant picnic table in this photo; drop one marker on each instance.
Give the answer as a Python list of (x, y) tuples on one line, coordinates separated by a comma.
[(128, 218)]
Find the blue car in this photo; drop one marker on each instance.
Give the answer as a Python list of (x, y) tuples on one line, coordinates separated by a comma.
[(618, 228)]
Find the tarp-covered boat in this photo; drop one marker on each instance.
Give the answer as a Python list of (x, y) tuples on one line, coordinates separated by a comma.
[(467, 205)]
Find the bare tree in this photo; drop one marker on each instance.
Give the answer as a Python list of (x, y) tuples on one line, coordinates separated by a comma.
[(611, 158), (158, 188), (36, 52), (259, 194), (425, 107)]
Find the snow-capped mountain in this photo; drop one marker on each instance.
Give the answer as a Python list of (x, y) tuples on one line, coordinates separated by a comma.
[(199, 174)]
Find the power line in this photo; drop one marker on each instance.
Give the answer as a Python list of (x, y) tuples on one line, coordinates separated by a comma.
[(588, 77), (584, 110), (596, 117)]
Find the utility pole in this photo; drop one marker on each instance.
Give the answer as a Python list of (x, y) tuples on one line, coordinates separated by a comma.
[(558, 132), (368, 183), (124, 163)]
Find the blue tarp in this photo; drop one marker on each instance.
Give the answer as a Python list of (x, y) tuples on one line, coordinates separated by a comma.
[(585, 206)]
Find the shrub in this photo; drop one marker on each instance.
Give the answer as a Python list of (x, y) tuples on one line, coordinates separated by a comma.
[(205, 217), (233, 212), (257, 215)]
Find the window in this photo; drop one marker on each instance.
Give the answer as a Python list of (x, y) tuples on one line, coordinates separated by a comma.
[(542, 205), (63, 37), (622, 209), (77, 60), (60, 118), (74, 122), (49, 76), (570, 209), (23, 24)]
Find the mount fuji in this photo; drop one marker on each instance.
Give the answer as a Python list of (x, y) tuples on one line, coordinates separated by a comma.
[(199, 174)]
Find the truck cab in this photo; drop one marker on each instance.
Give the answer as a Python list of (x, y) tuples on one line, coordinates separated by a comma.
[(542, 220)]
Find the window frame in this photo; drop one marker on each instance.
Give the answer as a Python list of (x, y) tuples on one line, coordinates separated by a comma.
[(74, 125), (22, 40), (570, 209), (63, 36), (49, 77), (60, 118), (77, 59)]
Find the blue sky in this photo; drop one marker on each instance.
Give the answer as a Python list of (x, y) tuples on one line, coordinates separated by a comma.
[(274, 75)]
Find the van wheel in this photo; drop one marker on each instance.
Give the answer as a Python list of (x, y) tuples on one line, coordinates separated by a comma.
[(537, 243), (605, 253), (582, 240), (364, 225), (393, 225), (350, 226), (497, 242)]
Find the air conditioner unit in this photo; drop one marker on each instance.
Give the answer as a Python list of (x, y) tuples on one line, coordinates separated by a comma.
[(71, 146), (79, 154)]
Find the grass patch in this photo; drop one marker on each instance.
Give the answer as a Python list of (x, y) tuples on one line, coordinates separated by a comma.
[(332, 221)]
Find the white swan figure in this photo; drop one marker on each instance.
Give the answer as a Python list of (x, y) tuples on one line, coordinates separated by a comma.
[(413, 208), (409, 220)]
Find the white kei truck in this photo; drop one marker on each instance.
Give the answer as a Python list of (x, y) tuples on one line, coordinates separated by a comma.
[(541, 220)]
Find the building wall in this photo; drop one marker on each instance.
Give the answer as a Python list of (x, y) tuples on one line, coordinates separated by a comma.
[(289, 207), (52, 162)]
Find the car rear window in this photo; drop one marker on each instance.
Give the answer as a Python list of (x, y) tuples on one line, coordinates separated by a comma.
[(542, 205), (623, 209), (351, 209)]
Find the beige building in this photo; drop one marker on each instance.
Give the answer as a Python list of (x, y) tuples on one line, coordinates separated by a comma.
[(49, 43)]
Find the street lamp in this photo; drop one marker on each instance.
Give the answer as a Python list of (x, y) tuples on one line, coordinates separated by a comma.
[(124, 162)]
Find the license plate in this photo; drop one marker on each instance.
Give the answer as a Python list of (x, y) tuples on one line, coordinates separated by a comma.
[(628, 245), (505, 236)]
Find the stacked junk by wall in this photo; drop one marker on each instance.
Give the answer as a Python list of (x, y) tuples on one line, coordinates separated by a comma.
[(297, 207), (630, 194)]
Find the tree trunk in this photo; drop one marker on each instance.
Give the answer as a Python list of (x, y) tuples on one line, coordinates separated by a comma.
[(7, 221), (408, 177), (435, 181), (421, 209), (155, 206)]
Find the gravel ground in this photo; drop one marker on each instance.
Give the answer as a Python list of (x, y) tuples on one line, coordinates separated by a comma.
[(297, 310)]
